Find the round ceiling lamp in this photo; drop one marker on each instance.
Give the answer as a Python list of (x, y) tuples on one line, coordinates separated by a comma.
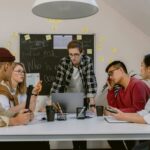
[(65, 9)]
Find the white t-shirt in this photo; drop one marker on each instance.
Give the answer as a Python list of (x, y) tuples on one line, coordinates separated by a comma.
[(6, 103), (75, 82), (145, 113)]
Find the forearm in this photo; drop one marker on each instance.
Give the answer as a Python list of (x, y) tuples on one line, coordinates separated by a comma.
[(33, 102), (134, 117)]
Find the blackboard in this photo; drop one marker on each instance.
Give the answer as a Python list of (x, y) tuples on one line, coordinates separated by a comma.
[(40, 54)]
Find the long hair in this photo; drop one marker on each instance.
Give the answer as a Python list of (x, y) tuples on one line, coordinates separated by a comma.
[(21, 88)]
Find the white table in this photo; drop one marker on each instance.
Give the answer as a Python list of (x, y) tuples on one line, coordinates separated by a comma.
[(95, 128)]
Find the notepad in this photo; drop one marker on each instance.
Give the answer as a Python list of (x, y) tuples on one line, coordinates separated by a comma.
[(111, 119)]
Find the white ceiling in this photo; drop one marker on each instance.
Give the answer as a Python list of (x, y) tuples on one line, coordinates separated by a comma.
[(136, 11)]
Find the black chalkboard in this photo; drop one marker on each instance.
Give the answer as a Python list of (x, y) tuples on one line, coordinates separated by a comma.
[(40, 55)]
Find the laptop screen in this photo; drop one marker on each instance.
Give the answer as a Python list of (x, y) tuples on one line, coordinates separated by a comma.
[(68, 101)]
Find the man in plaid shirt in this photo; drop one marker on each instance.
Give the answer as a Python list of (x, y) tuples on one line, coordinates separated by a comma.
[(75, 73)]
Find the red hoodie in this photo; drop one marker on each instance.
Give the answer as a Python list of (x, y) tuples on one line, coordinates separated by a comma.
[(131, 99)]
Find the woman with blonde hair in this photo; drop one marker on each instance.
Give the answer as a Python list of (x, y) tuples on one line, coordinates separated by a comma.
[(16, 90), (13, 98)]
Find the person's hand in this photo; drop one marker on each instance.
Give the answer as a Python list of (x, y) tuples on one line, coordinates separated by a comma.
[(37, 89), (23, 118), (92, 109), (110, 84), (92, 105), (119, 115)]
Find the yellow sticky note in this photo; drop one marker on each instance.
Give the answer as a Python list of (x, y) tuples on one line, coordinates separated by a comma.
[(110, 60), (8, 45), (15, 35), (53, 28), (27, 37), (102, 38), (13, 53), (54, 21), (79, 37), (48, 37), (114, 50), (99, 47), (85, 30), (101, 58), (89, 51)]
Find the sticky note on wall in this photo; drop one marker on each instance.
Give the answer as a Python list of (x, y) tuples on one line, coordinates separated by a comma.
[(48, 37), (89, 51), (101, 58), (79, 37), (114, 50), (27, 37)]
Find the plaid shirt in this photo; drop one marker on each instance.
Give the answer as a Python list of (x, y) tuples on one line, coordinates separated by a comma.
[(64, 73)]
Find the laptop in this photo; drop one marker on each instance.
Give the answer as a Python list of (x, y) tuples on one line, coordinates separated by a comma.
[(68, 101)]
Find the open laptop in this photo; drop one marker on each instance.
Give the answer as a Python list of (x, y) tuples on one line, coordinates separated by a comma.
[(68, 101)]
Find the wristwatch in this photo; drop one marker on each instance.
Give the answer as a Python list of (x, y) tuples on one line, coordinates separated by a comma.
[(92, 105), (34, 94)]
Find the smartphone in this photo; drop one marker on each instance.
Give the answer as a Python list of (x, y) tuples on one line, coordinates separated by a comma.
[(110, 110), (29, 93)]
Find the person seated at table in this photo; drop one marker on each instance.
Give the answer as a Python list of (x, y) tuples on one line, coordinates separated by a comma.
[(142, 116), (131, 96), (18, 90), (8, 117), (133, 93)]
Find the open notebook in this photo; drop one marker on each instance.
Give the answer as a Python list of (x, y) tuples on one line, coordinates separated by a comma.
[(111, 119)]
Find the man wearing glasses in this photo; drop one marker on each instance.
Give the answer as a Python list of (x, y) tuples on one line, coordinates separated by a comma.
[(75, 73), (131, 97)]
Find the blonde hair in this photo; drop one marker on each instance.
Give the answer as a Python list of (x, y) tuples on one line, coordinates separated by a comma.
[(21, 88)]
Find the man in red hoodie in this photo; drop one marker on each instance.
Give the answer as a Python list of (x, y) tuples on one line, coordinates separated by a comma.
[(133, 93), (130, 97)]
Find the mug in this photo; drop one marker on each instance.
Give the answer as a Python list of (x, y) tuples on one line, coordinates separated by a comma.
[(50, 113), (99, 110)]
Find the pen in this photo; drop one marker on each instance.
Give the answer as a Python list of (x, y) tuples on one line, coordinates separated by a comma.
[(55, 107), (59, 108)]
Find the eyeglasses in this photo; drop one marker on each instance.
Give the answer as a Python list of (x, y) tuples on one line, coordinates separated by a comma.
[(19, 71), (74, 55), (110, 73)]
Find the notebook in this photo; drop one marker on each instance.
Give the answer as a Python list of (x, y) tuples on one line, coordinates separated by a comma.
[(111, 119), (68, 101)]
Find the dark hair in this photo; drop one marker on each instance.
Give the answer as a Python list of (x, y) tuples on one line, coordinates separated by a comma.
[(146, 60), (75, 44), (117, 64)]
